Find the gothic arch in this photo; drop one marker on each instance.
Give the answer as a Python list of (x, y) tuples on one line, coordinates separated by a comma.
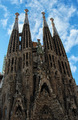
[(18, 110), (45, 87), (46, 83)]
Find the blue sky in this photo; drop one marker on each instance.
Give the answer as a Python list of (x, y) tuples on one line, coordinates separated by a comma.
[(65, 14)]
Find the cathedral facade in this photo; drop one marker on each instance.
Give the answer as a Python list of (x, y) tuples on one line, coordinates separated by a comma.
[(38, 83)]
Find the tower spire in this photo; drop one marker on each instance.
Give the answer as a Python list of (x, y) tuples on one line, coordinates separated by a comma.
[(16, 22), (26, 21), (44, 20), (53, 27), (14, 38)]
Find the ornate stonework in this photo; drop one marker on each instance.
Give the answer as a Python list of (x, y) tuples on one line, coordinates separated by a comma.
[(37, 84)]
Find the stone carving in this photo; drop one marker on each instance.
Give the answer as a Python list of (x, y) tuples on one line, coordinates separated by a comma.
[(58, 98)]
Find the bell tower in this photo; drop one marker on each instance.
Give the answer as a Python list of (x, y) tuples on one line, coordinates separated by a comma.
[(38, 83)]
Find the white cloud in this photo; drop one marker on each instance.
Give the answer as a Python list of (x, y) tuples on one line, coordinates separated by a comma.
[(20, 28), (35, 29), (62, 15), (40, 34), (73, 67), (73, 61), (21, 17), (5, 17), (10, 29), (21, 1), (4, 22), (5, 10), (16, 2), (72, 39), (20, 22)]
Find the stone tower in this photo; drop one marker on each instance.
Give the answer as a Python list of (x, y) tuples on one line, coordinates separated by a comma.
[(38, 83)]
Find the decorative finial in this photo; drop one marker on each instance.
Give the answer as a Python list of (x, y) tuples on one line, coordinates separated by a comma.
[(26, 11), (26, 21), (16, 22), (43, 13), (17, 14), (53, 27), (44, 20), (52, 19)]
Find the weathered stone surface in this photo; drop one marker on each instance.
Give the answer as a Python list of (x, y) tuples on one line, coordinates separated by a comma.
[(38, 84)]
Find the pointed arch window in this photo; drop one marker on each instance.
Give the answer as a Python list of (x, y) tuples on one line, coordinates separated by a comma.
[(45, 89), (63, 68), (67, 69), (34, 84), (8, 65), (27, 56), (19, 63), (49, 57), (59, 66), (12, 64), (15, 63), (19, 110), (23, 60)]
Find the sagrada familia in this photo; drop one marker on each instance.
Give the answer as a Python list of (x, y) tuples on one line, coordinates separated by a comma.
[(38, 83)]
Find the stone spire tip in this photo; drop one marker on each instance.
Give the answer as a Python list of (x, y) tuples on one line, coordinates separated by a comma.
[(26, 11), (53, 27), (44, 20), (26, 21), (17, 14), (43, 13), (16, 22), (52, 19)]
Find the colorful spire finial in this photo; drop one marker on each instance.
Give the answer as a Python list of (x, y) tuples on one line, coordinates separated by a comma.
[(44, 20), (43, 13), (16, 22), (52, 19), (26, 17), (53, 27), (17, 14), (26, 11)]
